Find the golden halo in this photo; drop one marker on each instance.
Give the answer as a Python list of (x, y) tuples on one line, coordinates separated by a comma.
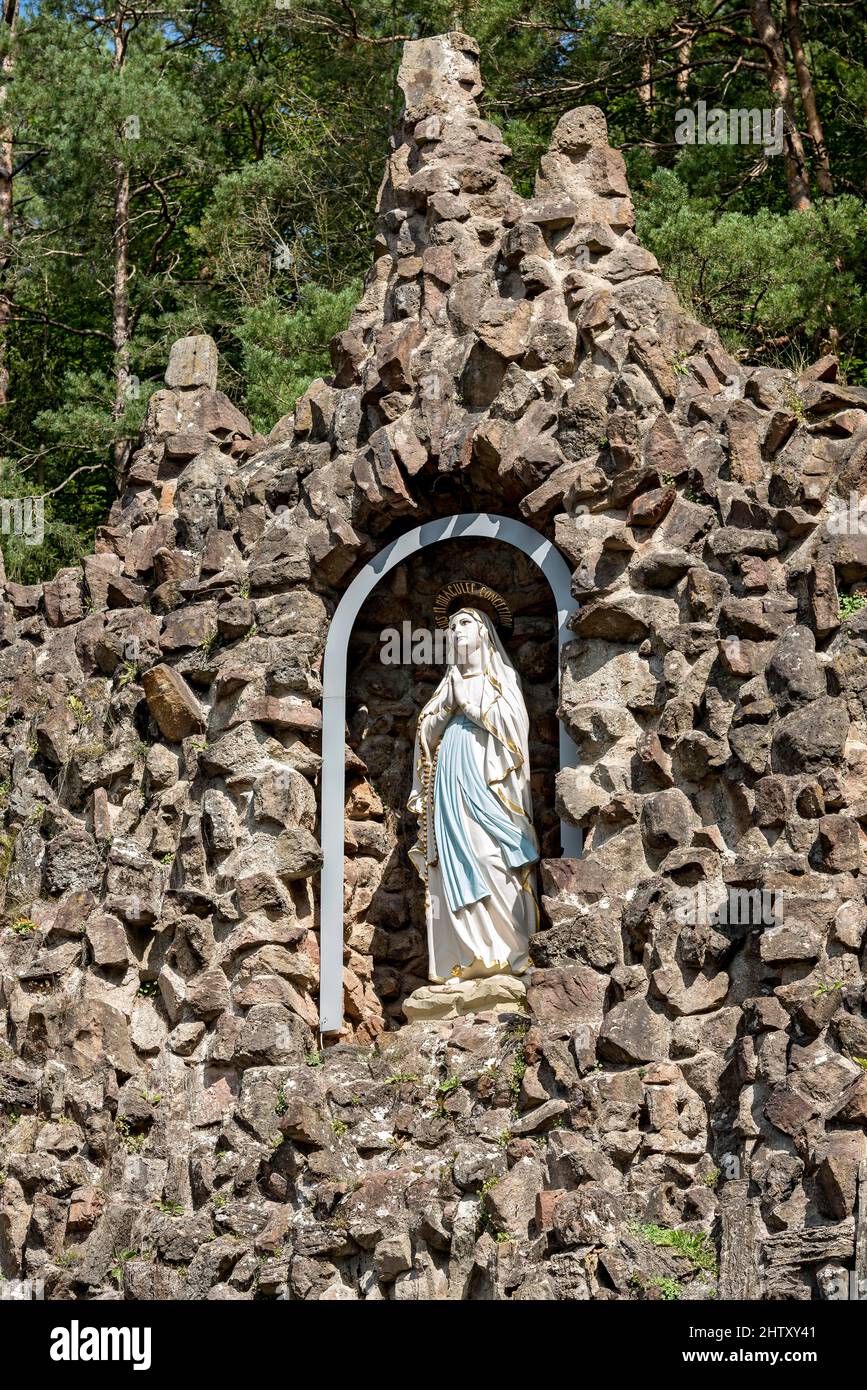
[(469, 593)]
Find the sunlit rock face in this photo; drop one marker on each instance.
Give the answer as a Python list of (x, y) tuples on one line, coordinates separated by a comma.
[(691, 1044)]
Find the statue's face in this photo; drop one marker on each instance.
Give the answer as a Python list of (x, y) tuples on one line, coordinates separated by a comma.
[(466, 633)]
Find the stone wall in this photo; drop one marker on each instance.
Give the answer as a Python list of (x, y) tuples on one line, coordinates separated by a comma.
[(170, 1127)]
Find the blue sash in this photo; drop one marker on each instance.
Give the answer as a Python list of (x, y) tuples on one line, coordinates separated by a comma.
[(460, 790)]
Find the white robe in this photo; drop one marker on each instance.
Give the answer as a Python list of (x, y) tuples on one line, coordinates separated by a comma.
[(477, 848)]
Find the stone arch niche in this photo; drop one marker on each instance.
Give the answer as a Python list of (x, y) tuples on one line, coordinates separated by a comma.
[(472, 525)]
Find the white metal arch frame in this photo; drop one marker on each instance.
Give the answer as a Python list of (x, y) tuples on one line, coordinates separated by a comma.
[(476, 525)]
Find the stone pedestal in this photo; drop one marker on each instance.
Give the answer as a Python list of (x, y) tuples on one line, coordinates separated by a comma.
[(503, 994)]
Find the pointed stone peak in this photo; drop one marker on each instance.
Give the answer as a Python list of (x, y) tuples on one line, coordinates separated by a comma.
[(581, 165), (440, 76)]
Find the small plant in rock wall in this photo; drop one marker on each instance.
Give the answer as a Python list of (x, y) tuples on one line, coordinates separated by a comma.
[(849, 604)]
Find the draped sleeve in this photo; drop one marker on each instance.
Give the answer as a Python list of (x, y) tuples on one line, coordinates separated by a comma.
[(502, 714)]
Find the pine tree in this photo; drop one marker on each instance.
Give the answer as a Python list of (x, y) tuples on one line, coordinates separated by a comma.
[(213, 167)]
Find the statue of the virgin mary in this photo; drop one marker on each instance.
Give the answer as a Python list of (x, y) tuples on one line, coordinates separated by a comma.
[(476, 848)]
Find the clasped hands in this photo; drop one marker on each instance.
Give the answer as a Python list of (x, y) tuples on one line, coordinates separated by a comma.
[(455, 695), (459, 694)]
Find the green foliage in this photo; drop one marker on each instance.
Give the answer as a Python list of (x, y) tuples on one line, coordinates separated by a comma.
[(63, 543), (487, 1186), (519, 1067), (849, 604), (450, 1084), (443, 1091), (133, 1142), (170, 1208), (7, 849), (670, 1288), (826, 988), (254, 137), (768, 280), (121, 1258), (485, 1212), (283, 350), (23, 926), (696, 1247)]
